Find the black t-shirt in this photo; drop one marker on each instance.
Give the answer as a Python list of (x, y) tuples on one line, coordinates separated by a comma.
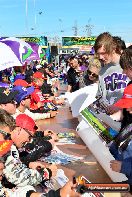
[(35, 150), (73, 79), (28, 75), (46, 89)]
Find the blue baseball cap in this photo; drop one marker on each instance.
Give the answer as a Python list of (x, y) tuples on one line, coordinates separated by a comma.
[(22, 92), (19, 76)]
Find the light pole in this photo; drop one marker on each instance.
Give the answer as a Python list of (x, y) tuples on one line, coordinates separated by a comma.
[(26, 19), (35, 18)]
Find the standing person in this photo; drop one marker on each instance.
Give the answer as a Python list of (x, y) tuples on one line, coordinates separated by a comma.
[(126, 63), (73, 75), (29, 73), (121, 148), (121, 46), (111, 79)]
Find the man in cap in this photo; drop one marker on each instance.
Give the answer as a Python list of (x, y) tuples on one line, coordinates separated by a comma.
[(23, 99), (37, 146), (7, 100), (15, 170)]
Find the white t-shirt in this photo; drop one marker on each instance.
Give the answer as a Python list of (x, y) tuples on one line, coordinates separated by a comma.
[(34, 116)]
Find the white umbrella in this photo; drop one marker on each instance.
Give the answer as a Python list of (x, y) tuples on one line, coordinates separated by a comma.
[(14, 52), (7, 57)]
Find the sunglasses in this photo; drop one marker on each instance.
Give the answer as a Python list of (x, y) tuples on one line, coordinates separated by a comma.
[(92, 74)]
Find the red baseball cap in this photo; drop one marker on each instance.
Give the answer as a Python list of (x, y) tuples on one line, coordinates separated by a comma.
[(38, 75), (126, 100), (26, 122), (21, 82)]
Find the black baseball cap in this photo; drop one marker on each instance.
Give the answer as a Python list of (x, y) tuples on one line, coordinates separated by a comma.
[(6, 96)]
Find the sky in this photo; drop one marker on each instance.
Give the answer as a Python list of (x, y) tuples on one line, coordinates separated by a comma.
[(57, 18)]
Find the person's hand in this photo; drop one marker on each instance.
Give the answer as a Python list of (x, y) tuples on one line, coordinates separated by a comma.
[(48, 132), (118, 116), (115, 165), (51, 98), (35, 164), (53, 113), (60, 101), (69, 190), (52, 134), (53, 143), (34, 194), (53, 168), (40, 104)]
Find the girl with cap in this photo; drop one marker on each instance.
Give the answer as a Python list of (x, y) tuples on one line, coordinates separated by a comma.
[(121, 148)]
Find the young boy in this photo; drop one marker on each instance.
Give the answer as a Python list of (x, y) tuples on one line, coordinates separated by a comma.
[(38, 102), (23, 99)]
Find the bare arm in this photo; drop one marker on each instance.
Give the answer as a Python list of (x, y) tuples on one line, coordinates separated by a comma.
[(69, 88), (118, 116)]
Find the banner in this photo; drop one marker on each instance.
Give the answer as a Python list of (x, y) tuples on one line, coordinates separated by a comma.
[(41, 41), (71, 42)]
